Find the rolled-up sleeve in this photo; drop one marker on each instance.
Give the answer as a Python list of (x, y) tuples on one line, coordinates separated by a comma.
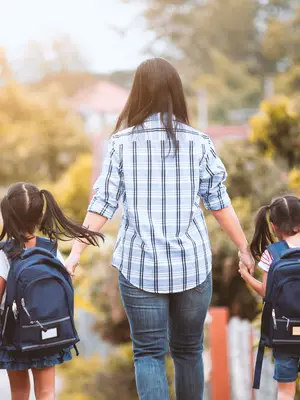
[(108, 186), (212, 177)]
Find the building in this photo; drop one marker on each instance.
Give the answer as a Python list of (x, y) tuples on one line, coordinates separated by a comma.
[(221, 133), (99, 105)]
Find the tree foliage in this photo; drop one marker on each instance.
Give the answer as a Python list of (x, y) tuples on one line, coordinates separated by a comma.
[(229, 47), (59, 56), (40, 136), (73, 189), (294, 180), (243, 30), (276, 130)]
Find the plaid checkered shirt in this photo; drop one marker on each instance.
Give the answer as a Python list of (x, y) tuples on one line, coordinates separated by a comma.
[(163, 244)]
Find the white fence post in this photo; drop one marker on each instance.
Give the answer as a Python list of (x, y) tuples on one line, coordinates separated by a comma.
[(240, 360)]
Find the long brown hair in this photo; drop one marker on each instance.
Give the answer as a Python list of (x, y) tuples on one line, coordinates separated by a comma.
[(25, 208), (284, 214), (157, 88)]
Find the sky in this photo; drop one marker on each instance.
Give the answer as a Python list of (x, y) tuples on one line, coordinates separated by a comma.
[(110, 34)]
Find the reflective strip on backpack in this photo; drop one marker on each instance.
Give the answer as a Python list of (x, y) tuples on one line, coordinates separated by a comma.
[(46, 323), (24, 348)]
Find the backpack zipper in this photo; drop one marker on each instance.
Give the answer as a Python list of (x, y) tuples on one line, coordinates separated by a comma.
[(49, 344), (15, 310), (274, 319), (287, 322), (56, 321), (5, 321), (29, 316)]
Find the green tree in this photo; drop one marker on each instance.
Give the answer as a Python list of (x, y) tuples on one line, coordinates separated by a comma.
[(195, 28), (226, 78), (289, 81), (58, 56), (228, 45), (276, 130), (294, 180), (73, 189), (244, 30), (39, 134), (250, 174)]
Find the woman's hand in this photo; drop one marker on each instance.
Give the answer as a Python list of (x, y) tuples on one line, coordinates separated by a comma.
[(72, 262), (247, 260), (229, 221)]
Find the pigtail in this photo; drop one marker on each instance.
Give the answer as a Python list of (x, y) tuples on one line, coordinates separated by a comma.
[(262, 235), (13, 229), (56, 225)]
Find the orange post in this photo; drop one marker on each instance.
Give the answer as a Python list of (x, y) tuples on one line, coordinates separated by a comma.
[(220, 375)]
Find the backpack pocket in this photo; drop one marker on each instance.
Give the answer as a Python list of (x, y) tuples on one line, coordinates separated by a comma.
[(286, 331), (58, 333)]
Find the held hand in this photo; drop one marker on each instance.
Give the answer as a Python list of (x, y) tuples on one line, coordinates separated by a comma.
[(247, 260), (243, 270), (71, 263)]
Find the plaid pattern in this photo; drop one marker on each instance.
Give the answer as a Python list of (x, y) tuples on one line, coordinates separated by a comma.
[(163, 245)]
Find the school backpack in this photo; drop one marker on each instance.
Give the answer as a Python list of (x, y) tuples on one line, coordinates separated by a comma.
[(280, 324), (38, 318)]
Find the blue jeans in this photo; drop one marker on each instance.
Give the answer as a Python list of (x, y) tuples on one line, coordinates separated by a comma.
[(155, 320)]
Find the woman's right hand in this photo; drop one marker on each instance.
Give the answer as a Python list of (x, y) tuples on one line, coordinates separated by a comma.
[(72, 262), (243, 270)]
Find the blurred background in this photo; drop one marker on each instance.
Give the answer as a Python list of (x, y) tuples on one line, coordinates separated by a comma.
[(66, 68)]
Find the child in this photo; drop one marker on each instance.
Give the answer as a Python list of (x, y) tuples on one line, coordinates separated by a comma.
[(283, 216), (25, 209)]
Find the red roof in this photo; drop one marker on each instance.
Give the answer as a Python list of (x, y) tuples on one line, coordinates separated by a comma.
[(102, 97), (227, 132)]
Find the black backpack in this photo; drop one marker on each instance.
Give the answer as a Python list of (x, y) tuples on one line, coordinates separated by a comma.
[(38, 318), (280, 324)]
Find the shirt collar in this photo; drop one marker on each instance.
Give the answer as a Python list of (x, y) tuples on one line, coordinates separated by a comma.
[(157, 117)]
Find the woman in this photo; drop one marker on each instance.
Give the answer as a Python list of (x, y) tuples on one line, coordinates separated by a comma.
[(161, 168)]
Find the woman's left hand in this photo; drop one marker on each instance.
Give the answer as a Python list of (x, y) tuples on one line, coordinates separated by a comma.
[(71, 263)]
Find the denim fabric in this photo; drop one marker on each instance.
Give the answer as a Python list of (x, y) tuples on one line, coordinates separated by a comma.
[(286, 367), (159, 322)]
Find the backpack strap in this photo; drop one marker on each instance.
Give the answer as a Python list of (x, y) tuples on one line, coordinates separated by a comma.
[(258, 364), (277, 249), (47, 245), (40, 242)]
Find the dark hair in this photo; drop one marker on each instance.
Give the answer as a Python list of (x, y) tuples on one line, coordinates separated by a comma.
[(157, 88), (284, 214), (26, 208)]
